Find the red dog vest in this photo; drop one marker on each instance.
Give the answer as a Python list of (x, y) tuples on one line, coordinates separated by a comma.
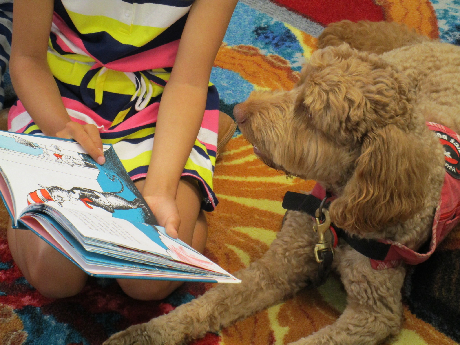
[(447, 214)]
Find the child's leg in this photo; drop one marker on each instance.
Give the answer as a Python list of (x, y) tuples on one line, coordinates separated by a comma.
[(52, 274), (193, 231)]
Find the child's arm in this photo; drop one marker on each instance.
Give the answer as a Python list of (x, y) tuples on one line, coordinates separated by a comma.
[(183, 105), (33, 81)]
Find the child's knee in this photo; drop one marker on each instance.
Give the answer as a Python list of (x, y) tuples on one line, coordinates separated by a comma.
[(53, 275), (44, 268), (148, 290), (44, 283)]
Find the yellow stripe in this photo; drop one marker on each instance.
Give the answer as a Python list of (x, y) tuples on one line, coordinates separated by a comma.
[(31, 128), (307, 50), (99, 82), (67, 72), (280, 331), (139, 160), (120, 117), (144, 159), (161, 73), (260, 234), (409, 337), (135, 35), (205, 174), (111, 81), (136, 135), (200, 145), (241, 254), (262, 204), (72, 73)]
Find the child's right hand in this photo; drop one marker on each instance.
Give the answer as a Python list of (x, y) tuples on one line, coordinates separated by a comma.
[(165, 210), (87, 136)]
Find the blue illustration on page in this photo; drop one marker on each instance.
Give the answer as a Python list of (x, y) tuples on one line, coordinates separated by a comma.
[(117, 194)]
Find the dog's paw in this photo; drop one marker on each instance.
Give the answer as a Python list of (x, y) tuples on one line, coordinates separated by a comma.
[(134, 335), (157, 331)]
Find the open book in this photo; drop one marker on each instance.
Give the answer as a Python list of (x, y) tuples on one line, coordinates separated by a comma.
[(93, 214)]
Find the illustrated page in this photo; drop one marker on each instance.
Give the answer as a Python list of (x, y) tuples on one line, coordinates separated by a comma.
[(44, 170)]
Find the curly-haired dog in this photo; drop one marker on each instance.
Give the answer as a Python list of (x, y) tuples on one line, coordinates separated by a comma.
[(356, 123)]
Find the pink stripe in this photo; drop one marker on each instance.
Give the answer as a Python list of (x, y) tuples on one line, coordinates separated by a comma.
[(144, 117), (81, 108), (19, 109), (211, 120), (63, 45), (15, 111), (68, 33), (209, 147), (211, 123), (138, 176), (159, 57)]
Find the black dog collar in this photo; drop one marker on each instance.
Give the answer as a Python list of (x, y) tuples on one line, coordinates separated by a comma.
[(309, 203)]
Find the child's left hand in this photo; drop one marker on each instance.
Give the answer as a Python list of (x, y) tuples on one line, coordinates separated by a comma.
[(87, 136)]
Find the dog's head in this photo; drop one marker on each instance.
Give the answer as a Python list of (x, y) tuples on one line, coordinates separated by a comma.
[(348, 124)]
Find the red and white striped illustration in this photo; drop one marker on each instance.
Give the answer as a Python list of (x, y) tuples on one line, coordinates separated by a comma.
[(39, 196)]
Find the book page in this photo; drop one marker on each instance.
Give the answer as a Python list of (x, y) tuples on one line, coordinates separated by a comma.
[(139, 236), (6, 195), (101, 265), (109, 235), (115, 230), (43, 170)]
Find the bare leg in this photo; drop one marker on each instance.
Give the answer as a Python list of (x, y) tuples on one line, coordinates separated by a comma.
[(287, 266), (52, 274), (193, 231)]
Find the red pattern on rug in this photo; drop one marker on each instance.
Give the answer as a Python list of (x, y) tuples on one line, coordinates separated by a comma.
[(320, 10)]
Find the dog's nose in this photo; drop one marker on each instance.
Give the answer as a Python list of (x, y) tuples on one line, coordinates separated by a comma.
[(239, 113)]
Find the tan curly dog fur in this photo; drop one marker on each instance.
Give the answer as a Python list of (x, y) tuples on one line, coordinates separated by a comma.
[(355, 123)]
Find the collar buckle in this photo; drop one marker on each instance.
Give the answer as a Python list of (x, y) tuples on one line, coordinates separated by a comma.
[(321, 226)]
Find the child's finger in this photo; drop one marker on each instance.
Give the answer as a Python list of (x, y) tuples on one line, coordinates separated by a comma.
[(94, 134), (76, 131), (171, 231)]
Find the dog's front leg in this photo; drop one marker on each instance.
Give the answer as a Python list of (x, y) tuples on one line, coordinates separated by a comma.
[(286, 267), (374, 308)]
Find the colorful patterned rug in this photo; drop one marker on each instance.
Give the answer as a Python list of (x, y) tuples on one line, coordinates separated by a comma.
[(265, 46)]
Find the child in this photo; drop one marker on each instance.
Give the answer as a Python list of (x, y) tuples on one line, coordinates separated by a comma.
[(95, 71)]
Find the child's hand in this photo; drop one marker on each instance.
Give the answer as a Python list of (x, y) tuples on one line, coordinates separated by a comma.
[(165, 211), (87, 136)]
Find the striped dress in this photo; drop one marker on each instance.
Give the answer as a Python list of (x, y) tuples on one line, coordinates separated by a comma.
[(6, 16), (111, 60)]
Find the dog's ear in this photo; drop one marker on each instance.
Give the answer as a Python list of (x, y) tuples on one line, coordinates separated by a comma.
[(347, 93), (387, 184)]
